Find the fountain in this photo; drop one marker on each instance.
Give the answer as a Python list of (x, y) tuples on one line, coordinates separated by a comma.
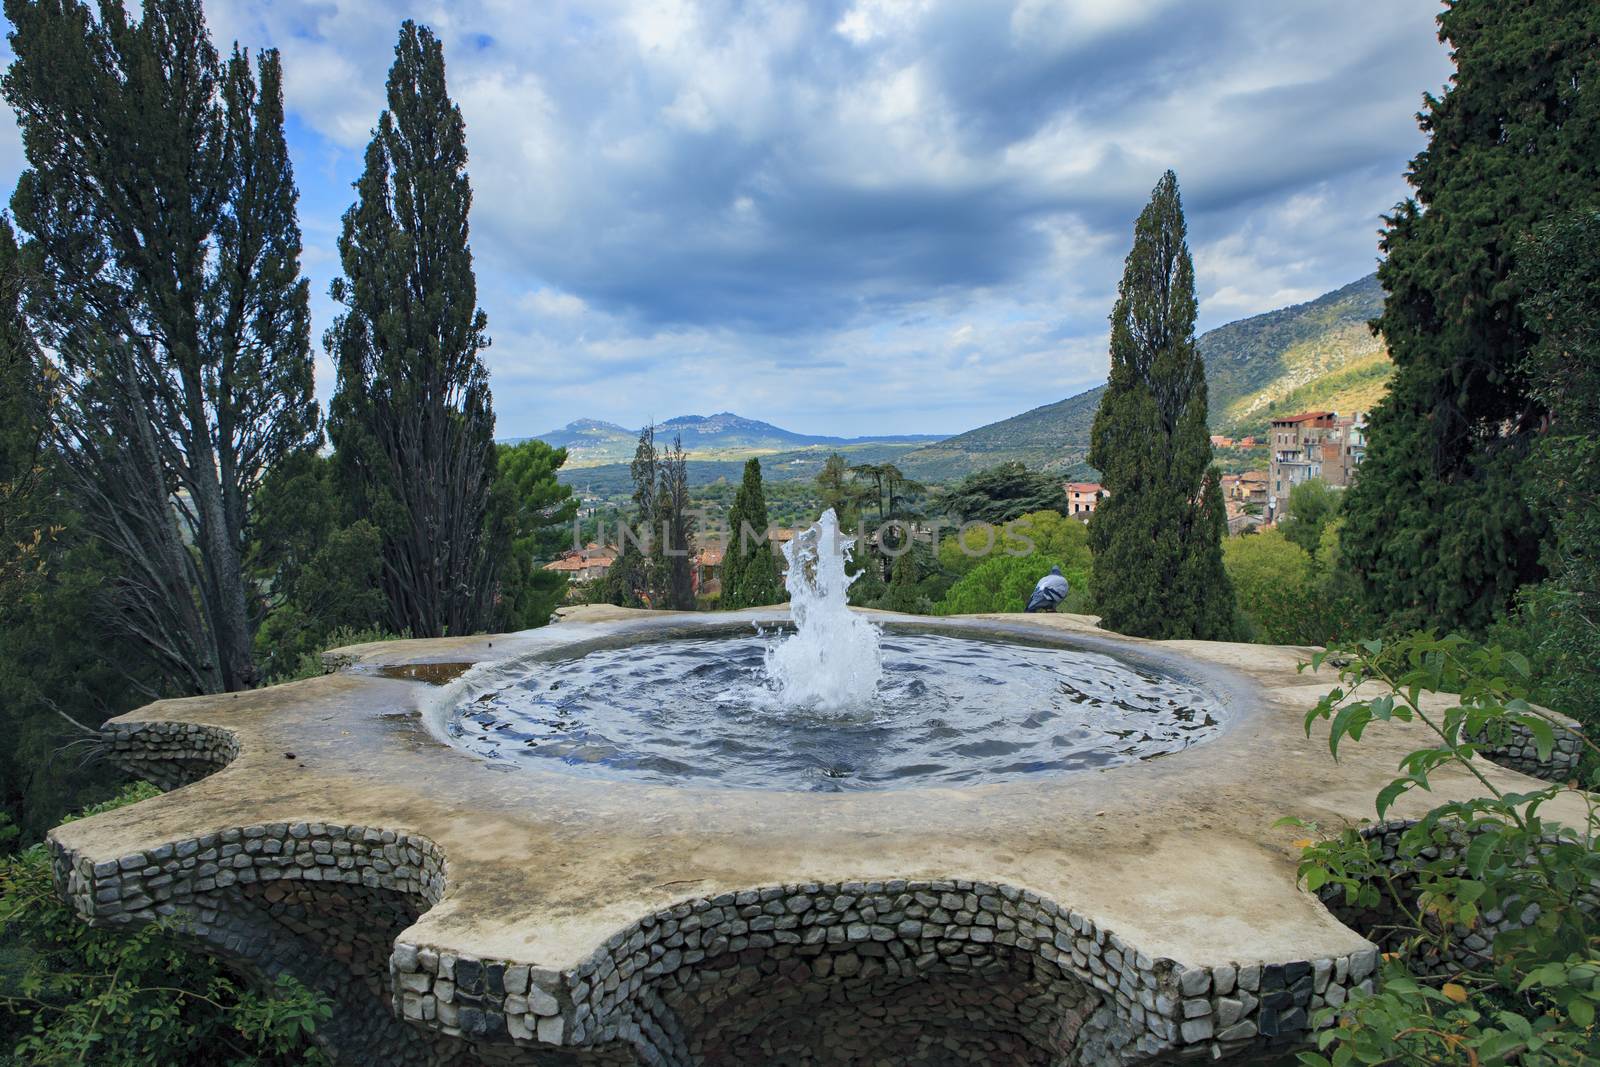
[(832, 662), (838, 702), (656, 838)]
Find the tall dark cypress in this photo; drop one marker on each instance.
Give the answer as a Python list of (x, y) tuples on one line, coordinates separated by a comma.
[(1157, 536), (676, 532), (24, 435), (411, 420), (1436, 526), (749, 569), (159, 210)]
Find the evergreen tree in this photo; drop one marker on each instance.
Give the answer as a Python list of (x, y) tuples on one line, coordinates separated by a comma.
[(749, 569), (1157, 536), (412, 420), (1312, 505), (159, 206), (676, 533), (533, 513), (631, 580), (1003, 493), (1437, 528), (1557, 622), (319, 571), (903, 594), (25, 532), (838, 491)]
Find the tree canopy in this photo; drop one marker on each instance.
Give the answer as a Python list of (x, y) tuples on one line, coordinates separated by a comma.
[(1002, 493), (412, 422), (172, 307), (749, 569), (1157, 536), (1438, 529)]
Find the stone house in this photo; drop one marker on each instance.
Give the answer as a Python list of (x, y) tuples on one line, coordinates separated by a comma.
[(1083, 498)]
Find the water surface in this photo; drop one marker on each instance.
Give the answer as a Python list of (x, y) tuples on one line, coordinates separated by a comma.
[(948, 710)]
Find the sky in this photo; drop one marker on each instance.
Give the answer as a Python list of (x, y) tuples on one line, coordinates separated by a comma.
[(864, 217)]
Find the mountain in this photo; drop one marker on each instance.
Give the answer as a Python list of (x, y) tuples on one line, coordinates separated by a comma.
[(723, 437), (1319, 354)]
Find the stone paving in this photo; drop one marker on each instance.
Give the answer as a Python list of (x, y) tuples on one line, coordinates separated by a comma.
[(460, 913)]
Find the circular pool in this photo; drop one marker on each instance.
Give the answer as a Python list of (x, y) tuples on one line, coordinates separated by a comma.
[(950, 709)]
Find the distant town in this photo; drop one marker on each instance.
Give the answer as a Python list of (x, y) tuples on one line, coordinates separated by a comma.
[(1309, 446)]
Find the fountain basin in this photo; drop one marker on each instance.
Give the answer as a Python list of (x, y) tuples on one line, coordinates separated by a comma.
[(956, 706), (462, 910)]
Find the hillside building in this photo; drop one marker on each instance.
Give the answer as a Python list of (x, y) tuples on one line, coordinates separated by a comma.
[(1314, 444), (1083, 498)]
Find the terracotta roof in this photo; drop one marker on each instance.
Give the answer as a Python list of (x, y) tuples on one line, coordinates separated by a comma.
[(1083, 487), (1304, 416)]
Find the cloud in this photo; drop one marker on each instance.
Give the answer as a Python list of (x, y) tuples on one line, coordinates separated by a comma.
[(867, 216)]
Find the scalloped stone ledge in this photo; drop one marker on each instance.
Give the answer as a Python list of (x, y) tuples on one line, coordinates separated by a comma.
[(461, 914)]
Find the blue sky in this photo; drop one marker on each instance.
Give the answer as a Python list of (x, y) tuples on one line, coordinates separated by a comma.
[(872, 216)]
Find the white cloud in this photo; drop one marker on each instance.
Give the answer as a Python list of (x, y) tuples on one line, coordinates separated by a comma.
[(880, 215)]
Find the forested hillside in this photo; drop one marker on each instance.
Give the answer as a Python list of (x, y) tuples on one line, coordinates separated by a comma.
[(1319, 354)]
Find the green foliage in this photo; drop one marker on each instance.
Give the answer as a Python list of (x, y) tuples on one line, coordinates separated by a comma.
[(676, 530), (531, 512), (1003, 493), (1311, 507), (1274, 581), (310, 665), (411, 420), (998, 566), (1532, 1001), (749, 568), (1557, 623), (75, 994), (320, 575), (164, 261), (1157, 536), (902, 594), (25, 533), (1004, 583), (1045, 533), (1437, 528), (867, 588), (837, 489)]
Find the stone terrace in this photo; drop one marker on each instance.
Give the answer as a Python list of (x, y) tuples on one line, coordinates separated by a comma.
[(463, 912)]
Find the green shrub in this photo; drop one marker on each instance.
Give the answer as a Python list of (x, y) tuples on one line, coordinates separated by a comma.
[(75, 994), (1004, 583), (1533, 1000)]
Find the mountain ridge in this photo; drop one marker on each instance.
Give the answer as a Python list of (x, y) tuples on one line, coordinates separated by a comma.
[(596, 442), (1319, 353)]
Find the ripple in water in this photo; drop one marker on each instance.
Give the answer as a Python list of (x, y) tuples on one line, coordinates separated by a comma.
[(949, 710)]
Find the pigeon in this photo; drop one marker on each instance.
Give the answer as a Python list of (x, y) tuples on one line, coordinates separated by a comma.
[(1049, 593)]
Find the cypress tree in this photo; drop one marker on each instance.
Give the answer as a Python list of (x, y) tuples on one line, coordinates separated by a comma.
[(159, 207), (1436, 525), (676, 532), (902, 593), (412, 420), (1157, 537), (630, 581), (24, 436), (749, 569)]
